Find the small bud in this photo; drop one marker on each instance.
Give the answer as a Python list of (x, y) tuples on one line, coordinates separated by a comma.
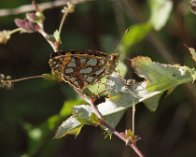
[(36, 18), (69, 8), (5, 82), (4, 36)]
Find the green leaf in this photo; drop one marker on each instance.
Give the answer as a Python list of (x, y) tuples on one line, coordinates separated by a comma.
[(160, 11), (113, 119), (122, 69), (85, 114), (53, 121), (82, 114), (67, 108), (71, 126), (135, 34), (159, 78), (193, 53), (123, 96), (153, 102), (162, 77), (120, 97)]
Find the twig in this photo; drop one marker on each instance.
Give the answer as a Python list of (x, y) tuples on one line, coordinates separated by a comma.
[(133, 119), (67, 9), (121, 136), (115, 132), (49, 39), (106, 125), (26, 78), (42, 6), (6, 82)]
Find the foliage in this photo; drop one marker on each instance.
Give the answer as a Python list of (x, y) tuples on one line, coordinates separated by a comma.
[(119, 94)]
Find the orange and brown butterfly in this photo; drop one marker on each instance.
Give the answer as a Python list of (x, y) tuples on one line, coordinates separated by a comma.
[(82, 68)]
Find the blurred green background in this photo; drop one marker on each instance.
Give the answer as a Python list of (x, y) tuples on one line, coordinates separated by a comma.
[(29, 111)]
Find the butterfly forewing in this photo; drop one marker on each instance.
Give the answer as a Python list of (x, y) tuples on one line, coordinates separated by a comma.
[(82, 68)]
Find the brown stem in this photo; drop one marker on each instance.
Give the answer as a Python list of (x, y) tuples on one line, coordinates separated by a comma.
[(122, 137), (42, 6), (115, 132), (105, 124)]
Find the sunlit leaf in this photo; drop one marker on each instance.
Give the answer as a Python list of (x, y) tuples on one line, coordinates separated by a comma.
[(193, 53), (123, 96), (71, 126), (82, 114), (161, 77), (85, 114), (160, 11), (120, 97)]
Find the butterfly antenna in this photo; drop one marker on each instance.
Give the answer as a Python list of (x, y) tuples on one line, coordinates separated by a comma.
[(117, 50)]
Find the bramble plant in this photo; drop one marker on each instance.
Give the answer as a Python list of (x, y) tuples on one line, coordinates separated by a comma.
[(119, 94)]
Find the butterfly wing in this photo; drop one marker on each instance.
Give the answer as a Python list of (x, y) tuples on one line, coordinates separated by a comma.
[(79, 69)]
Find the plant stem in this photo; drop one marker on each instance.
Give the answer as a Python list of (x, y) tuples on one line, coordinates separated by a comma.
[(105, 124), (67, 9), (115, 132), (42, 6), (26, 78), (133, 118)]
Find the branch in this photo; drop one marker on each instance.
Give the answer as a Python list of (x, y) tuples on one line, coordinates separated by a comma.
[(129, 142), (42, 6)]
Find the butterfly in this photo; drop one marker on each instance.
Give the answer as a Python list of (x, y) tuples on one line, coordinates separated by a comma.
[(82, 68)]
